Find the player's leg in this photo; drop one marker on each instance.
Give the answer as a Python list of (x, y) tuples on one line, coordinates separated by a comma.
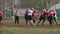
[(26, 22), (0, 22), (17, 19), (50, 20), (55, 19), (33, 20), (39, 21), (30, 19), (26, 18), (43, 21)]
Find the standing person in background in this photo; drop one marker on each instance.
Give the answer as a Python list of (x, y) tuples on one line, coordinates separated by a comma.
[(17, 17), (26, 16), (1, 17), (42, 16)]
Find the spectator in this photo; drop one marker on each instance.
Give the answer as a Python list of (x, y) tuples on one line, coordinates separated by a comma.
[(16, 17)]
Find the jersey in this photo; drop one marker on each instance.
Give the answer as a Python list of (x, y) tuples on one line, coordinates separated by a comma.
[(43, 14), (52, 13), (1, 15), (30, 12), (33, 14)]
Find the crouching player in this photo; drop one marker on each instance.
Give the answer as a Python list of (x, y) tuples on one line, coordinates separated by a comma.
[(1, 17), (51, 16), (42, 16)]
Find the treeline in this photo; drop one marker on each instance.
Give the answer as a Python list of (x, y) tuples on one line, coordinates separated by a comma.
[(29, 3), (38, 3)]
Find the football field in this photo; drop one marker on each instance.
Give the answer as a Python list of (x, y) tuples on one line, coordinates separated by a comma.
[(11, 28)]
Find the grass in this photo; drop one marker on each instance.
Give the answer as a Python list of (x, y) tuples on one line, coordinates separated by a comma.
[(26, 30), (22, 30)]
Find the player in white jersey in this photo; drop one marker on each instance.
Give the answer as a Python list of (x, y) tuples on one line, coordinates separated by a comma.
[(30, 16)]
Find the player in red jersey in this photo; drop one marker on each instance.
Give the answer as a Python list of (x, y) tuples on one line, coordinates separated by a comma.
[(51, 16), (26, 16), (1, 17), (42, 16), (33, 15)]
